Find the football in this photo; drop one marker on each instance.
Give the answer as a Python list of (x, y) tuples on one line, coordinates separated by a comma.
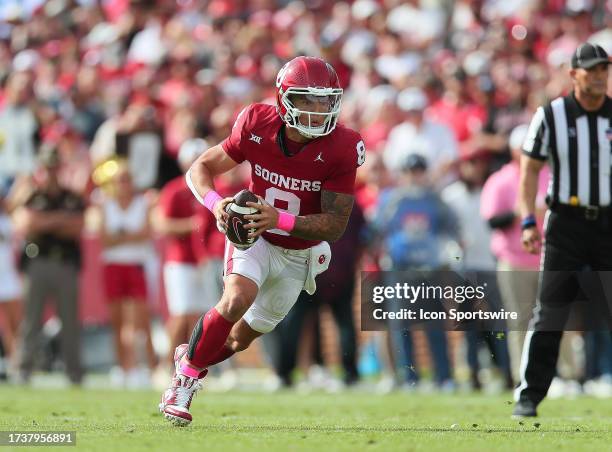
[(237, 210)]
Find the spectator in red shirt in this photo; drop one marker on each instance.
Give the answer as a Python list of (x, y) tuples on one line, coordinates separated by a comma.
[(456, 110), (177, 220)]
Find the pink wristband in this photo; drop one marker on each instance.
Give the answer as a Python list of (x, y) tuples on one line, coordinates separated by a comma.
[(286, 221), (211, 199)]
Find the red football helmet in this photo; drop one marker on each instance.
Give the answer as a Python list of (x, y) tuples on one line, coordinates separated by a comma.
[(313, 84)]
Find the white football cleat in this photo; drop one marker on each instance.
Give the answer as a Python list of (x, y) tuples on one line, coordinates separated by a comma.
[(176, 400)]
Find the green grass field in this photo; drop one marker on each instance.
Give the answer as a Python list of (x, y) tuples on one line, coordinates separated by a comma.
[(115, 421)]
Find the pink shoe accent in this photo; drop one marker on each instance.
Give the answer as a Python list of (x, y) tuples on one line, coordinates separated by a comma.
[(187, 369)]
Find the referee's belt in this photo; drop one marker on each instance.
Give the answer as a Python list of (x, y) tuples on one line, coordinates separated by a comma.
[(589, 213)]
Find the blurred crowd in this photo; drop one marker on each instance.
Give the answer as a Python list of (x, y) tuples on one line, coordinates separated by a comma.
[(103, 104)]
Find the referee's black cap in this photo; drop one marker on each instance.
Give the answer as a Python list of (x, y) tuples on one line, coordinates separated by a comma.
[(588, 55)]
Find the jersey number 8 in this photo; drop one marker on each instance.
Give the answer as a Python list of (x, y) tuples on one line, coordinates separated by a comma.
[(360, 153), (293, 204)]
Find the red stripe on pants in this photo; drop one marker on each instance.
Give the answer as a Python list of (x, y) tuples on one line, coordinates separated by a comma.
[(229, 260)]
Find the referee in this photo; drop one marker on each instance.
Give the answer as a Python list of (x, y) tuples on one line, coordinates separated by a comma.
[(573, 134)]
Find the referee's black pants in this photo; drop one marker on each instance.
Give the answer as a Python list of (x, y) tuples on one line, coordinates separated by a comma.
[(571, 245)]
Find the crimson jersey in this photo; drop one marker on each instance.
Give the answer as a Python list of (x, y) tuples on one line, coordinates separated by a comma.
[(293, 183), (176, 201)]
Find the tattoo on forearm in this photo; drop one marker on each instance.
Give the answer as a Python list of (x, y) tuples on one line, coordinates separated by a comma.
[(331, 223)]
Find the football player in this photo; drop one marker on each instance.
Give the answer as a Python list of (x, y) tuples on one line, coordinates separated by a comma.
[(303, 166)]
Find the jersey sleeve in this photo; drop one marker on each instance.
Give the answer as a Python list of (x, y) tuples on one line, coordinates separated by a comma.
[(233, 145), (342, 179), (537, 140)]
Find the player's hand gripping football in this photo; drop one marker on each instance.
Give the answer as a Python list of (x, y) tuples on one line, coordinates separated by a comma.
[(221, 215), (530, 238), (267, 218)]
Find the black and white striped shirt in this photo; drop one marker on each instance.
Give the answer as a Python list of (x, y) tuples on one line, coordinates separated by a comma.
[(577, 145)]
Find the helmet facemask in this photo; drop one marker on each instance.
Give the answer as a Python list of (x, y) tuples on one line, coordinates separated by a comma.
[(326, 119)]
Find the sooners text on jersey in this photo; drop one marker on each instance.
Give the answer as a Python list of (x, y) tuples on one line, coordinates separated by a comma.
[(294, 183)]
